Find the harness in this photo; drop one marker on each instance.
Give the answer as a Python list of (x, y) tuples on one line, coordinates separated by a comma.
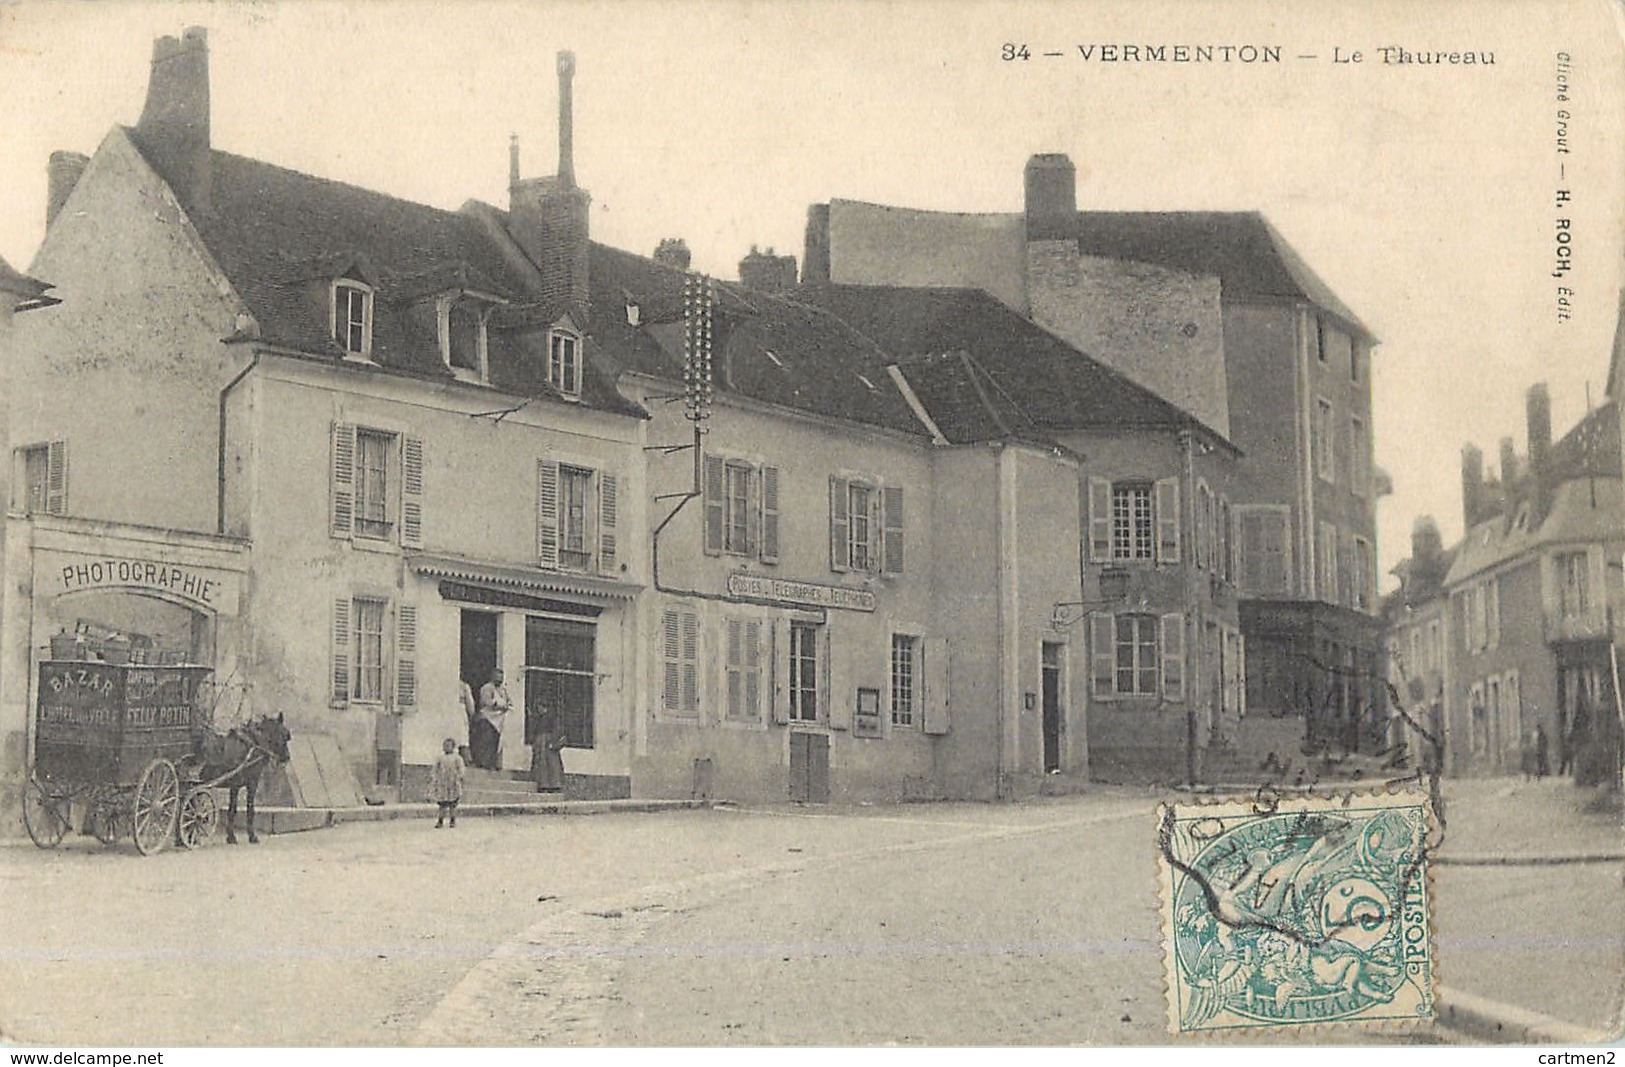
[(257, 753)]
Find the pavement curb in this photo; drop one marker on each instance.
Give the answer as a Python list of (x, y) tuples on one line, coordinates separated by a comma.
[(281, 820), (1508, 1024)]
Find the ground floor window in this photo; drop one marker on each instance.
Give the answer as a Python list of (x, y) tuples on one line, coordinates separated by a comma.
[(368, 684), (560, 680), (1136, 655), (905, 674), (803, 672)]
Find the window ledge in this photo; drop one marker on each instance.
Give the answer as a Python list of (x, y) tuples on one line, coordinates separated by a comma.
[(384, 545), (463, 374), (359, 357)]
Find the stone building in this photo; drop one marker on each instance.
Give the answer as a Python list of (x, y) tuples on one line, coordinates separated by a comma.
[(1216, 313)]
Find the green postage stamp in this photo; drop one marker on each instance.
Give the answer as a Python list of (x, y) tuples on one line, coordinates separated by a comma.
[(1292, 911)]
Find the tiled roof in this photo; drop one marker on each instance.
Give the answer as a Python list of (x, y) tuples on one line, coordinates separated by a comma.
[(1241, 248), (1583, 511), (766, 347), (281, 237), (984, 372)]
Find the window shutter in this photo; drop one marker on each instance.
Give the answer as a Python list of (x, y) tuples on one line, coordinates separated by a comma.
[(714, 489), (1100, 520), (1241, 676), (56, 478), (341, 651), (691, 662), (1173, 657), (753, 670), (753, 513), (770, 514), (607, 508), (343, 480), (779, 654), (547, 513), (892, 538), (1492, 593), (839, 560), (671, 656), (1199, 521), (1103, 655), (876, 538), (835, 691), (934, 698), (406, 656), (411, 492), (735, 666), (1168, 520)]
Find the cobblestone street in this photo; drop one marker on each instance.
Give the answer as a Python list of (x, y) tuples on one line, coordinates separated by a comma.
[(956, 923)]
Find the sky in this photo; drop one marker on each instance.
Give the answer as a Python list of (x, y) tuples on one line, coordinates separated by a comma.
[(1425, 195)]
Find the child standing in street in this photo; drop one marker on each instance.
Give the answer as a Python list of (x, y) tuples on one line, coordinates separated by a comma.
[(446, 782)]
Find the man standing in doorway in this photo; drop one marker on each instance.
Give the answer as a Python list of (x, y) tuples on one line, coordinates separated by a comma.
[(494, 708)]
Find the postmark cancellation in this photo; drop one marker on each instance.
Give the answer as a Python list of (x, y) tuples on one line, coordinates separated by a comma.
[(1295, 911)]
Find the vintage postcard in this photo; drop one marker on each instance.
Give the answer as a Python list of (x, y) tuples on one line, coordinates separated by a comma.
[(808, 522)]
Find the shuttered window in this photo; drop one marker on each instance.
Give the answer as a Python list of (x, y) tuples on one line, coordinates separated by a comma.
[(866, 526), (1133, 656), (42, 488), (1265, 562), (375, 475), (577, 517), (679, 659), (741, 508), (744, 664)]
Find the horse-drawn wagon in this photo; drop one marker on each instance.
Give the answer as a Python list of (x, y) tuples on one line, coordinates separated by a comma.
[(133, 746)]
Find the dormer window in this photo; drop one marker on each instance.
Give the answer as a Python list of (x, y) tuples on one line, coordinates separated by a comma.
[(564, 362), (352, 318), (463, 341)]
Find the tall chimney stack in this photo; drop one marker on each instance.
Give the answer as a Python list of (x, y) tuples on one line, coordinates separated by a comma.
[(548, 216), (1051, 197), (173, 132), (1538, 407), (1472, 486), (513, 161), (1509, 467), (567, 163), (62, 173)]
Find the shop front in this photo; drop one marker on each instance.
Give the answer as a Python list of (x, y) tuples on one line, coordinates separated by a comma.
[(88, 591), (565, 646)]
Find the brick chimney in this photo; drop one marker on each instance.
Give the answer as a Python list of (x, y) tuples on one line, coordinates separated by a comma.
[(1538, 407), (767, 272), (62, 173), (1472, 486), (174, 129), (548, 216), (1509, 467), (1051, 197), (673, 252), (815, 249)]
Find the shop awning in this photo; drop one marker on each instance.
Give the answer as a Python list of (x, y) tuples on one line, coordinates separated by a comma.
[(522, 579)]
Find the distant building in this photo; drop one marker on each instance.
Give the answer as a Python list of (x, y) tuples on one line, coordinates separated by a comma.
[(1532, 594), (1418, 633)]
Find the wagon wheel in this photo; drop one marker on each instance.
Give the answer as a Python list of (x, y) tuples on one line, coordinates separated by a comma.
[(156, 807), (105, 816), (45, 814), (199, 814)]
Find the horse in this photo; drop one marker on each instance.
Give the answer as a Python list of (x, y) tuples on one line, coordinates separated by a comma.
[(234, 760)]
